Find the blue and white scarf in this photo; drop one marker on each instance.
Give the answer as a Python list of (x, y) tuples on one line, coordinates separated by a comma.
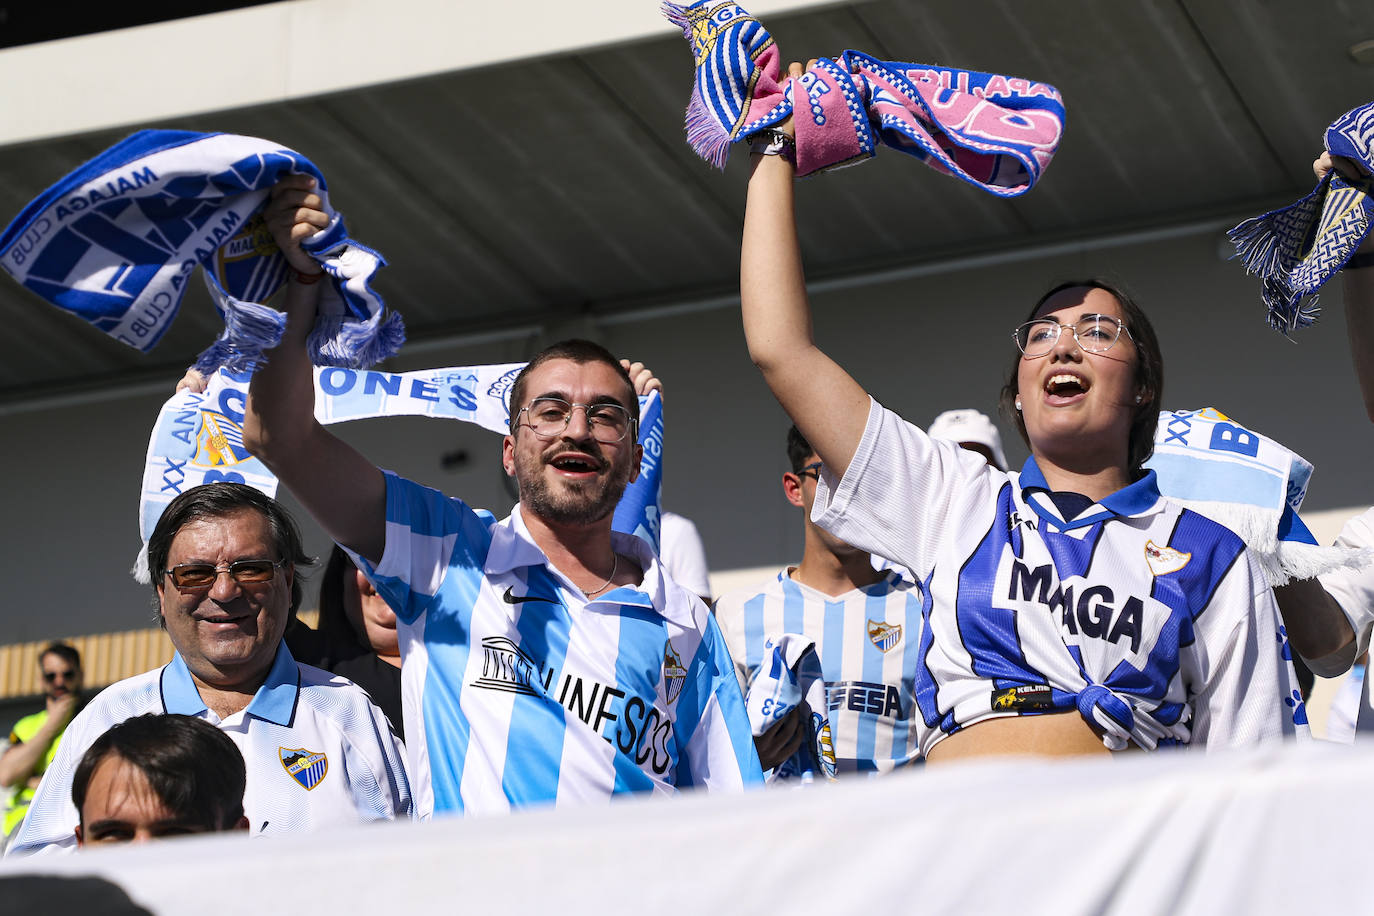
[(116, 241), (995, 132), (1297, 249), (790, 676), (1247, 482), (198, 436)]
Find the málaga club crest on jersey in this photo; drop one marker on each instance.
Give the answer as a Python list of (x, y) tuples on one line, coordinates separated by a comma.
[(674, 675), (1164, 560), (884, 635), (306, 767)]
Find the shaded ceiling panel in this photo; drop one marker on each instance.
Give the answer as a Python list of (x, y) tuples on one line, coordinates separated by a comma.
[(509, 196)]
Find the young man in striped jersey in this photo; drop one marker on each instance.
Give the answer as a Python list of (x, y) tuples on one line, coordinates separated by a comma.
[(546, 659), (865, 623)]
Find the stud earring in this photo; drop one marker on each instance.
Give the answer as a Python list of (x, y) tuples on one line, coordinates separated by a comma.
[(1018, 403), (1137, 399)]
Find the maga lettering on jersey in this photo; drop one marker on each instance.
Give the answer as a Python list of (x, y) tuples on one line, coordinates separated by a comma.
[(1083, 609)]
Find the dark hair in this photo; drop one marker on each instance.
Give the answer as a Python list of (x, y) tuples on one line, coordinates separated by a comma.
[(578, 351), (1149, 372), (195, 770), (216, 500), (63, 651), (798, 449), (336, 630)]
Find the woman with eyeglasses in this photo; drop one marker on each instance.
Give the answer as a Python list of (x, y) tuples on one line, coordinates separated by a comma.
[(1070, 608)]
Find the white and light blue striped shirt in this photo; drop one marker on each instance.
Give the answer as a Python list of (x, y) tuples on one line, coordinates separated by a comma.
[(518, 691), (1151, 621), (866, 640), (318, 753)]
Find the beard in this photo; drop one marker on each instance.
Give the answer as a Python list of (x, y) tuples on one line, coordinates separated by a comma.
[(571, 502)]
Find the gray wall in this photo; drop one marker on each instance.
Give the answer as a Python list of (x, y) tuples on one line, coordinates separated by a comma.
[(72, 475)]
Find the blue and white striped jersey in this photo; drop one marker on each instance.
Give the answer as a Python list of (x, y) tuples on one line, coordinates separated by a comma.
[(1152, 621), (866, 640), (318, 753), (517, 690)]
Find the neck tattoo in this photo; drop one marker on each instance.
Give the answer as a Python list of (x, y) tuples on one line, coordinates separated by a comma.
[(615, 567)]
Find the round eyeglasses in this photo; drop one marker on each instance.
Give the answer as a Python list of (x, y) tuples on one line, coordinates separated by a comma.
[(549, 418), (1092, 333), (198, 576)]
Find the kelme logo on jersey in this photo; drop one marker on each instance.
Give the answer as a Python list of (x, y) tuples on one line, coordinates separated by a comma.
[(884, 635), (1165, 560), (306, 767), (1026, 698), (219, 441), (674, 675)]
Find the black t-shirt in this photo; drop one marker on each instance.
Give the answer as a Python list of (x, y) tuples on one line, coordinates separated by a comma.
[(366, 669)]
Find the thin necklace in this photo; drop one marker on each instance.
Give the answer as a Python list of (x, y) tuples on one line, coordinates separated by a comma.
[(614, 567)]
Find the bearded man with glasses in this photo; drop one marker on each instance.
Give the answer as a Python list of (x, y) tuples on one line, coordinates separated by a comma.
[(545, 658), (226, 562)]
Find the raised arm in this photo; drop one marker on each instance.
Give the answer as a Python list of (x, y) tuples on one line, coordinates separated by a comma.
[(828, 406), (1317, 627), (344, 491), (21, 758)]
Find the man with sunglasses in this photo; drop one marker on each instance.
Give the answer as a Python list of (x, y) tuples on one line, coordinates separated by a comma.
[(546, 658), (226, 561), (865, 623), (34, 739)]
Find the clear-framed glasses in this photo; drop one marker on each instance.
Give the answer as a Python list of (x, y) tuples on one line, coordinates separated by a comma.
[(196, 576), (549, 417), (1093, 333), (812, 470)]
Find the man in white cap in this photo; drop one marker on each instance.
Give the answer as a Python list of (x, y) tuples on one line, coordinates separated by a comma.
[(972, 430)]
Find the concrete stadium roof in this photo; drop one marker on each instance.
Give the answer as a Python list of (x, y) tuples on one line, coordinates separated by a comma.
[(519, 174)]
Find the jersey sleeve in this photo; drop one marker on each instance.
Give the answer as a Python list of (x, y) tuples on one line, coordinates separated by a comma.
[(1353, 589), (716, 745), (1249, 690), (901, 491), (426, 534)]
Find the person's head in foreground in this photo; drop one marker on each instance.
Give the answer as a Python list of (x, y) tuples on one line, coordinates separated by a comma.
[(158, 776), (224, 558), (1085, 387), (573, 444)]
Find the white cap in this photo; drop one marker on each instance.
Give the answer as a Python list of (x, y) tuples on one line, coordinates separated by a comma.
[(969, 426)]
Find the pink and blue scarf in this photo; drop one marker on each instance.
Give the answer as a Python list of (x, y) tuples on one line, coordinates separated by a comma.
[(996, 132)]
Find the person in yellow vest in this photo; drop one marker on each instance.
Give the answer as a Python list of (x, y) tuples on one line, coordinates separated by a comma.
[(34, 739)]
